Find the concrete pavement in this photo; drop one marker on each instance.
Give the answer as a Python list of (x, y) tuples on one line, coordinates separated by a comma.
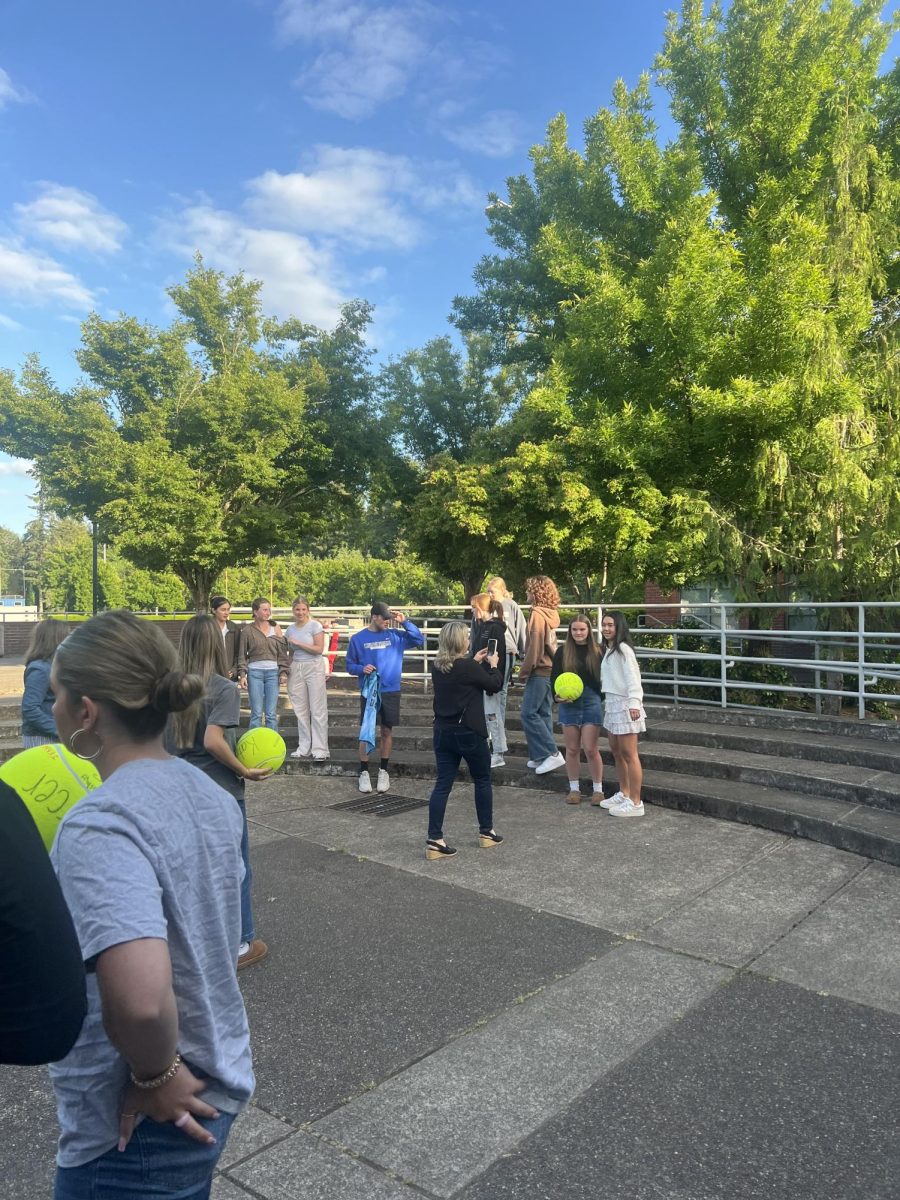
[(673, 1008)]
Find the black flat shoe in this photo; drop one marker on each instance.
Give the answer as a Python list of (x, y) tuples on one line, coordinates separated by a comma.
[(438, 850), (488, 838)]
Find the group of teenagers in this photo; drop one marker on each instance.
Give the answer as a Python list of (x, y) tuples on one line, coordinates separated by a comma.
[(122, 946)]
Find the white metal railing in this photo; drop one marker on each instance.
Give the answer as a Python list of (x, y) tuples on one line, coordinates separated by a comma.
[(842, 665)]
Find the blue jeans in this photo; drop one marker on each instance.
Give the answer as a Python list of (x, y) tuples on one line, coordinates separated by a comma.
[(262, 689), (450, 746), (248, 928), (537, 718), (159, 1161)]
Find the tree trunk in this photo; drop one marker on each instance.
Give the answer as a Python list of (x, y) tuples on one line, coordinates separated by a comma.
[(471, 578), (199, 584)]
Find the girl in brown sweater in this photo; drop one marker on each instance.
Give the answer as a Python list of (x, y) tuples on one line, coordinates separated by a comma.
[(540, 647)]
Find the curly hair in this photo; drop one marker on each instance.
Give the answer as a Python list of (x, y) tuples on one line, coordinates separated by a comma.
[(543, 591)]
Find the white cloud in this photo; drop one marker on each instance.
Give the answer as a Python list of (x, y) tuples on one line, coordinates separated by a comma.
[(497, 133), (370, 51), (72, 219), (298, 277), (15, 466), (364, 197), (9, 323), (10, 93), (34, 278)]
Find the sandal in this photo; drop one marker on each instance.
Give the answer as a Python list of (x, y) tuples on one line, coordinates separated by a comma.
[(487, 838), (435, 849)]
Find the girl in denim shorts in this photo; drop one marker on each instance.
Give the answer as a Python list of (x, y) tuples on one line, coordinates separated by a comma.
[(581, 719)]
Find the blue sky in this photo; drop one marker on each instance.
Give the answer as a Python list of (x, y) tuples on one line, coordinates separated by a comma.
[(331, 148)]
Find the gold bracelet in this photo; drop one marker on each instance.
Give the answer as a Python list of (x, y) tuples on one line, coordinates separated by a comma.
[(159, 1080)]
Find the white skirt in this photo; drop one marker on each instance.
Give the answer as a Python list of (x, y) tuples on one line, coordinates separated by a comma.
[(616, 718)]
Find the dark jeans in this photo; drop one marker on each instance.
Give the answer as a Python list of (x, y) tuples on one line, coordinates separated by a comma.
[(451, 746), (159, 1161)]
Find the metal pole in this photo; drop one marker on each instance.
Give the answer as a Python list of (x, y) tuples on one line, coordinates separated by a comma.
[(95, 575), (723, 651), (861, 660), (675, 670), (817, 680)]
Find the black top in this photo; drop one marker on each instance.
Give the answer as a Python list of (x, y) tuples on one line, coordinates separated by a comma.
[(459, 694), (584, 674), (232, 642), (42, 996), (482, 632)]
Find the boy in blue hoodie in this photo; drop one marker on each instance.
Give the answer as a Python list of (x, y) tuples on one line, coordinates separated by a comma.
[(379, 648)]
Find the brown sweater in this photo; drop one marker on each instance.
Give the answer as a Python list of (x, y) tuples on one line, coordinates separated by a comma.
[(254, 646), (540, 643)]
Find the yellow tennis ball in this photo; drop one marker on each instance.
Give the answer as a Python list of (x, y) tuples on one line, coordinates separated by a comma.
[(261, 747), (49, 779), (569, 686)]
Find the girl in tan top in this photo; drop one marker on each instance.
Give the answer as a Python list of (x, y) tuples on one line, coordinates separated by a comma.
[(540, 647), (262, 663)]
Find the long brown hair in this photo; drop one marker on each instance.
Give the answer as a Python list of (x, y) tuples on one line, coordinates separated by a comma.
[(201, 653), (45, 637), (129, 667), (570, 653)]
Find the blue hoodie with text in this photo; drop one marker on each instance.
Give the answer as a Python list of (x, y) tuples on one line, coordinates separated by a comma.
[(384, 650)]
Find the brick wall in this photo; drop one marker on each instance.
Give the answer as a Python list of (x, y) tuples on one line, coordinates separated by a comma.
[(664, 616)]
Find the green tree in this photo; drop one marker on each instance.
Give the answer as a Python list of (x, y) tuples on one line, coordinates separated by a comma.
[(10, 563), (192, 446), (711, 324)]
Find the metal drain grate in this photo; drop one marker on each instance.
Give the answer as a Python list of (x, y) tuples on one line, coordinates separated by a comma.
[(381, 806)]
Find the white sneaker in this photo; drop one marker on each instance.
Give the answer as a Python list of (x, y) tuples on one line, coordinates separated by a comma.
[(321, 757), (365, 783), (243, 949), (384, 780), (627, 808), (550, 764), (612, 801), (497, 760), (532, 763)]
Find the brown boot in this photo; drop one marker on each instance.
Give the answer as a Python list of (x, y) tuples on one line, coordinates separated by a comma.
[(256, 951)]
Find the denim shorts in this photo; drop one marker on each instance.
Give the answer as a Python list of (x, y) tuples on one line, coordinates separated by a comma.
[(586, 710)]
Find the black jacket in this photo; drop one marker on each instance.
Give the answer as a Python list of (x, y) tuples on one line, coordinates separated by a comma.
[(587, 678), (459, 694), (482, 632)]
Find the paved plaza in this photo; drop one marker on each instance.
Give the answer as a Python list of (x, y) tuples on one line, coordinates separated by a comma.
[(674, 1008)]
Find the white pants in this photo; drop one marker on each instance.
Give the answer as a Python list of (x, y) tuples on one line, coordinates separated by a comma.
[(306, 692)]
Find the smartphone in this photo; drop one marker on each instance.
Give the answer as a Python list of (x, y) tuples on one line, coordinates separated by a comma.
[(492, 646)]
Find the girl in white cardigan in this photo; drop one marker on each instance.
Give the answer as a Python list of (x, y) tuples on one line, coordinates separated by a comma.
[(624, 716)]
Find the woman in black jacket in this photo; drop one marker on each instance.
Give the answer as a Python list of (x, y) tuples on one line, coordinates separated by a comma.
[(460, 732), (489, 633)]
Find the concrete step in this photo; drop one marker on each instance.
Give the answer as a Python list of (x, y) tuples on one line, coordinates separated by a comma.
[(874, 833)]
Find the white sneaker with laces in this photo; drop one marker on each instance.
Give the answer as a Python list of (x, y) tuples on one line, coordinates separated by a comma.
[(532, 763), (550, 763), (611, 801), (497, 760), (365, 783), (298, 753), (627, 808), (384, 780)]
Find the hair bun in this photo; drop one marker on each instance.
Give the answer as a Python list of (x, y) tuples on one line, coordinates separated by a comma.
[(176, 691)]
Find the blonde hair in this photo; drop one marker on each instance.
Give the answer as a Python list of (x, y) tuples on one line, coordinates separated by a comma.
[(453, 643), (45, 637), (487, 606), (130, 667), (507, 594), (201, 653)]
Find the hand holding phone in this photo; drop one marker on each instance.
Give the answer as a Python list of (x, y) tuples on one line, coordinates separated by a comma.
[(492, 647)]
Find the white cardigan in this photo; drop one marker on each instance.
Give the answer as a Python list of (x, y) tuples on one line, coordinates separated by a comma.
[(620, 675)]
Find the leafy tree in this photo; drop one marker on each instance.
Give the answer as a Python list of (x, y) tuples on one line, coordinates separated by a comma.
[(711, 324), (193, 447), (11, 563)]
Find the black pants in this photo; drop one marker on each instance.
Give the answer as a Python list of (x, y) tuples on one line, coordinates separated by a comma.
[(450, 747)]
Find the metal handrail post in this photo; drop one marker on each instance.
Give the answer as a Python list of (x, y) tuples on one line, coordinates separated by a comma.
[(723, 650), (861, 661), (675, 671)]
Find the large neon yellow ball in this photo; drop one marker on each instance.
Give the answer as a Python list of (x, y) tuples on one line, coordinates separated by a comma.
[(569, 686), (49, 779), (261, 747)]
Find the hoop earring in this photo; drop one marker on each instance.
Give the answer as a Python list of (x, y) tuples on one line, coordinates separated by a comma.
[(85, 757)]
